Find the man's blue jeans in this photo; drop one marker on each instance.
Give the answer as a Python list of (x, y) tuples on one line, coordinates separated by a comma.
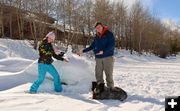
[(42, 70)]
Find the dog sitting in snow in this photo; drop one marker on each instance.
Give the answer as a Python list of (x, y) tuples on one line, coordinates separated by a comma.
[(100, 91)]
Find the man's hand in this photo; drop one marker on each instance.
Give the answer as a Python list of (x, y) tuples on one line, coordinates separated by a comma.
[(100, 53), (80, 52)]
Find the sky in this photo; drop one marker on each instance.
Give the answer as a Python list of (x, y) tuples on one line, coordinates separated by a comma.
[(167, 9), (164, 9)]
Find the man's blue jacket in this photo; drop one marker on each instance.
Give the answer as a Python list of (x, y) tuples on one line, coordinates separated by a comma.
[(106, 43)]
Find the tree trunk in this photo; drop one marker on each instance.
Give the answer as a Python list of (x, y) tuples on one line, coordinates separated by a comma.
[(35, 35), (1, 22), (140, 39), (10, 26)]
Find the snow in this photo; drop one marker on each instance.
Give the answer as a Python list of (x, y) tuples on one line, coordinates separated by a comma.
[(146, 78), (16, 48)]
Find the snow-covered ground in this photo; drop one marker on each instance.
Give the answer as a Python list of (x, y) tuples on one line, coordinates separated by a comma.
[(147, 80)]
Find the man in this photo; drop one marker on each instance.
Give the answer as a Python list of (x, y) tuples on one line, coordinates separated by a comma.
[(103, 48), (46, 52)]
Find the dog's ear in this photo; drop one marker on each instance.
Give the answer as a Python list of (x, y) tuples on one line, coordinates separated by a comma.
[(94, 85), (101, 87)]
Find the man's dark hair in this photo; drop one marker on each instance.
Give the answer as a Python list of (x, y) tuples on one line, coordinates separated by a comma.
[(98, 23)]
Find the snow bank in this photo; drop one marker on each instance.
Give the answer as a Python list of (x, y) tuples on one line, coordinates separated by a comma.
[(2, 49), (146, 78), (18, 48), (78, 73), (19, 58)]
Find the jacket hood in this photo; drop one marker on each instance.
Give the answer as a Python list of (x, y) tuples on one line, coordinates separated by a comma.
[(105, 29)]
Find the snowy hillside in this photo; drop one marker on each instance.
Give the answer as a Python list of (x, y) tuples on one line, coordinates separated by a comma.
[(147, 80)]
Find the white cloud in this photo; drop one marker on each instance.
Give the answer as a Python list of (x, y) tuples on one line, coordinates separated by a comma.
[(170, 23), (148, 3)]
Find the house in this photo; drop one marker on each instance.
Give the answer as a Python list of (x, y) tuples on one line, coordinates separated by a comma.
[(16, 23)]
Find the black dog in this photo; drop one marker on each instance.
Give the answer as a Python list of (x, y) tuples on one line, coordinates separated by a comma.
[(100, 91)]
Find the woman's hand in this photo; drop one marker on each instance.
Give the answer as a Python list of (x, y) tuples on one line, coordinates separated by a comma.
[(66, 59), (80, 52)]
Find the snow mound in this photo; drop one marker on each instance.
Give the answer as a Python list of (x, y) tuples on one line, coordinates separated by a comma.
[(78, 73), (2, 54), (17, 48)]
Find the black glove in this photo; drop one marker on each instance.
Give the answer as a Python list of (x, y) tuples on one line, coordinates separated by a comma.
[(61, 54)]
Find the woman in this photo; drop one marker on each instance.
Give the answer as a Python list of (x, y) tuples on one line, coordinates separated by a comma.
[(46, 52)]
